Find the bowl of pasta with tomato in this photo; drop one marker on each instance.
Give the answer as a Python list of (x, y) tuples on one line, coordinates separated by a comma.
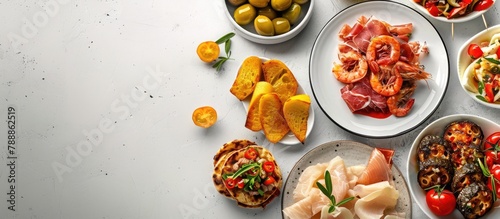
[(479, 67)]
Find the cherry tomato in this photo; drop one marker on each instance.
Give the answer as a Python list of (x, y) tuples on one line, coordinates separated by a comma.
[(492, 148), (484, 4), (488, 89), (268, 166), (433, 10), (498, 53), (269, 180), (250, 153), (239, 182), (208, 51), (230, 183), (495, 171), (474, 51), (204, 116), (441, 202)]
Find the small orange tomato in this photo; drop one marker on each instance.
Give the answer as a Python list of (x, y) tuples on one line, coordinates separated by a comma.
[(208, 51), (204, 116)]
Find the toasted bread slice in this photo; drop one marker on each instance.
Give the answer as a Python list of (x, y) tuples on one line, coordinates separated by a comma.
[(282, 79), (296, 113), (253, 119), (271, 117), (248, 75)]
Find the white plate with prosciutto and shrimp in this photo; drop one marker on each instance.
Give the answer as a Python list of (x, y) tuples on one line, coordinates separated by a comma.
[(379, 69), (361, 180)]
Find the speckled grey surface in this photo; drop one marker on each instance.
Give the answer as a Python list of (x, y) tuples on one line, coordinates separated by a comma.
[(104, 92)]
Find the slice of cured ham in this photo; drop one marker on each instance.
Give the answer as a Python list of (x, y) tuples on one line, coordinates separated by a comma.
[(360, 95), (308, 180), (374, 204), (377, 169)]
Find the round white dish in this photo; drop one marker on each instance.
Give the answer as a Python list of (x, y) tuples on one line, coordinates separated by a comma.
[(437, 128), (326, 89), (353, 153), (463, 59), (290, 138), (248, 31), (465, 18)]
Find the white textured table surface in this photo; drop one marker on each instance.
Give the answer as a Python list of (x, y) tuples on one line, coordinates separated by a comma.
[(103, 93)]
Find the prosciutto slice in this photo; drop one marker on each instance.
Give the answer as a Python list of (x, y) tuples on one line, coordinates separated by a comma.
[(361, 96), (372, 28)]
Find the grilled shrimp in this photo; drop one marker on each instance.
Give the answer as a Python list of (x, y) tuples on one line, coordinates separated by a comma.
[(386, 81), (401, 103), (382, 50), (353, 67)]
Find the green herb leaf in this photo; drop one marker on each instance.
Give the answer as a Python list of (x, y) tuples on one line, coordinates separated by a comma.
[(225, 38), (328, 182), (480, 87), (481, 98), (323, 189), (227, 46), (244, 168), (492, 60), (331, 209), (261, 193), (327, 191), (345, 201)]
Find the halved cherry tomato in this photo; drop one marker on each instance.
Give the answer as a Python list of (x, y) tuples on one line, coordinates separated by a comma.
[(208, 51), (498, 53), (230, 183), (441, 201), (495, 171), (250, 153), (488, 89), (269, 180), (204, 116), (492, 149), (433, 10), (268, 166), (484, 4), (239, 182), (474, 51), (455, 12)]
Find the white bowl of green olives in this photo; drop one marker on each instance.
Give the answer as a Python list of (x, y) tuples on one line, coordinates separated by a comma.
[(269, 21)]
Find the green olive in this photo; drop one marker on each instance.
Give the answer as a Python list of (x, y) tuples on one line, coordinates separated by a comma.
[(281, 25), (293, 13), (281, 5), (300, 2), (268, 12), (237, 2), (245, 14), (263, 25), (259, 3)]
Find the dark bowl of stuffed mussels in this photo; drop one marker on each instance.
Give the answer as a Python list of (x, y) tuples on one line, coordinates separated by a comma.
[(450, 153)]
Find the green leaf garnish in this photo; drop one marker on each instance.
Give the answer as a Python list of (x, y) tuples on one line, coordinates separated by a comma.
[(486, 172), (492, 60), (327, 191), (225, 38), (481, 98)]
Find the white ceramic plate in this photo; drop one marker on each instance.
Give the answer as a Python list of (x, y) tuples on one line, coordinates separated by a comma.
[(290, 138), (437, 128), (353, 153), (326, 88), (464, 60), (468, 17)]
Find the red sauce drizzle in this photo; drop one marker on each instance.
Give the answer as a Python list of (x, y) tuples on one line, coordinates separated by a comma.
[(376, 115)]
